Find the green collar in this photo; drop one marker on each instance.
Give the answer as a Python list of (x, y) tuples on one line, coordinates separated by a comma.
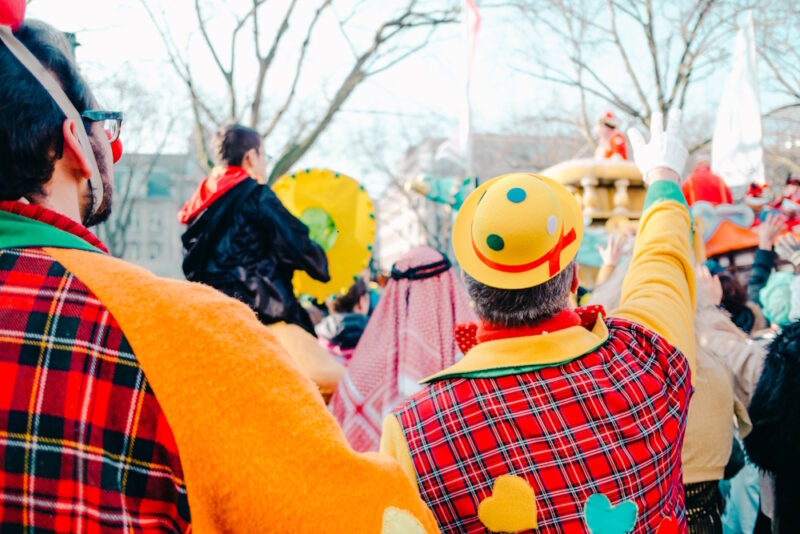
[(17, 231)]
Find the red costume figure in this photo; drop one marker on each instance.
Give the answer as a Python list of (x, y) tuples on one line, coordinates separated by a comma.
[(705, 185), (610, 142)]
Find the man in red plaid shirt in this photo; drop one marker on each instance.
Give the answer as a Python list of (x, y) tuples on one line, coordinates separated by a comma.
[(561, 420), (127, 400)]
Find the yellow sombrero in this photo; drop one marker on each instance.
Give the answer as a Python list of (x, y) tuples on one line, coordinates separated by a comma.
[(340, 218), (517, 231)]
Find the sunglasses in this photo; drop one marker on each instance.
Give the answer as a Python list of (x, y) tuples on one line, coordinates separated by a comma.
[(112, 121)]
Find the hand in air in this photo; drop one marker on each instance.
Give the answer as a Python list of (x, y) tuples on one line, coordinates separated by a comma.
[(664, 156), (770, 229), (787, 248), (614, 249), (708, 285)]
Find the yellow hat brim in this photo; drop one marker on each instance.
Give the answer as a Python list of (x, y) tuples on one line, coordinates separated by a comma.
[(469, 260)]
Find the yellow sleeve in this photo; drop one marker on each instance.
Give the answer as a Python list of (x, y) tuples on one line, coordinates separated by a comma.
[(659, 289), (393, 443)]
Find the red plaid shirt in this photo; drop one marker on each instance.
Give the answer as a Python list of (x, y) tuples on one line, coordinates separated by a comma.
[(609, 422), (84, 444)]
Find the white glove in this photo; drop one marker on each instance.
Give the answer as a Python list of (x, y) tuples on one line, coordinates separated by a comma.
[(665, 148)]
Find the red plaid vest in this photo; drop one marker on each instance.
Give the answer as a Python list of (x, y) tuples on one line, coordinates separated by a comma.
[(84, 443), (608, 422)]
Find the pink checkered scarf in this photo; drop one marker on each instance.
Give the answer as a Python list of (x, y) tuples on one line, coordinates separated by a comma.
[(409, 337)]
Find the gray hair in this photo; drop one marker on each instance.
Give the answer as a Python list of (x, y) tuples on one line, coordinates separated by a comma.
[(510, 308)]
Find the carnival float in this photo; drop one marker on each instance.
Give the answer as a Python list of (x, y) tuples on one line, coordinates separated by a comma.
[(611, 192)]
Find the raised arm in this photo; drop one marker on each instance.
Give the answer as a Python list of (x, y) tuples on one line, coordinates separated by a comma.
[(764, 261), (659, 289)]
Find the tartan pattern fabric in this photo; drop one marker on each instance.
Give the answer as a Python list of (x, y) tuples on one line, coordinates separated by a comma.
[(84, 444), (609, 422)]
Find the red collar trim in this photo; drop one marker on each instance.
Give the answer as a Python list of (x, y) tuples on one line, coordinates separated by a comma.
[(562, 320), (470, 334), (46, 216), (220, 181)]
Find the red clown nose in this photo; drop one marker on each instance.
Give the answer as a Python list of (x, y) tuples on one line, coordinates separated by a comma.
[(12, 13), (116, 148)]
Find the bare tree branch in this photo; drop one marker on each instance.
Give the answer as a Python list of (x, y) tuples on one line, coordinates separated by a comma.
[(626, 59), (264, 62), (790, 88), (387, 31), (687, 57), (298, 69), (227, 73)]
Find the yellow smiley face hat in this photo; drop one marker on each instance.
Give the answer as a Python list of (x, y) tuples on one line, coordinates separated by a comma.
[(517, 231)]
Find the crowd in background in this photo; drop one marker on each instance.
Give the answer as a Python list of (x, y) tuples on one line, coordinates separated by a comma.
[(665, 400)]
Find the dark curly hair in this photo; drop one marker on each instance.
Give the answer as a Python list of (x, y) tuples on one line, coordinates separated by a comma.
[(775, 414), (231, 142), (30, 121)]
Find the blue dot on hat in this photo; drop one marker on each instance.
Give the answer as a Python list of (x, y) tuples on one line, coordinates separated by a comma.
[(516, 195), (495, 242)]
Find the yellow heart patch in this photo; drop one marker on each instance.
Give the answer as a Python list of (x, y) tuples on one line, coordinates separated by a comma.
[(398, 521), (511, 507)]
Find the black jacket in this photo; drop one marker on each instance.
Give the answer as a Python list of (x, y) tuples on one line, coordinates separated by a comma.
[(247, 245), (775, 413), (763, 263)]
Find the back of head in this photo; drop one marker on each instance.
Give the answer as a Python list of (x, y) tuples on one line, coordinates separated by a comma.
[(30, 120), (231, 142), (734, 294), (348, 302), (511, 308), (516, 238)]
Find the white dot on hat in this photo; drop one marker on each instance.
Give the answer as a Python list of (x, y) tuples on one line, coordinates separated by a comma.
[(552, 224)]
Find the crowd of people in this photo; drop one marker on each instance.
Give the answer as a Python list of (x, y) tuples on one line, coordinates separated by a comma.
[(468, 396)]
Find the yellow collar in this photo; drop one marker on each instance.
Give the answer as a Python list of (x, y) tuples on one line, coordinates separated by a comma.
[(515, 355)]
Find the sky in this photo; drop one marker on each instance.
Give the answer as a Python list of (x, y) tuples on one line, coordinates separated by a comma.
[(423, 92), (118, 39)]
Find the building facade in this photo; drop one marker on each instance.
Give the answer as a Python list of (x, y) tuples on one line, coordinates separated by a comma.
[(149, 191)]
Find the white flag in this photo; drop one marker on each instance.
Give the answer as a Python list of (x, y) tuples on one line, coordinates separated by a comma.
[(458, 148), (736, 151)]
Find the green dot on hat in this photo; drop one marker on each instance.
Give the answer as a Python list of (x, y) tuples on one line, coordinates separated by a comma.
[(516, 195), (495, 242)]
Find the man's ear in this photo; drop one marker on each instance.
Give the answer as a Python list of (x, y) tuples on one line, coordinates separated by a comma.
[(248, 158), (575, 281), (73, 151)]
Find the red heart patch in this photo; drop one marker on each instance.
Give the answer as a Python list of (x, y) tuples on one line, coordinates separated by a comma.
[(466, 336)]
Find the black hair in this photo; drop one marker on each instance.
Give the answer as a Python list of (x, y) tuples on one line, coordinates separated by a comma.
[(734, 294), (30, 121), (347, 302), (230, 143), (513, 308)]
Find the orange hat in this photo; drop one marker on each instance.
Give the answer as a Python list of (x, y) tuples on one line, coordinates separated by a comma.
[(517, 231)]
